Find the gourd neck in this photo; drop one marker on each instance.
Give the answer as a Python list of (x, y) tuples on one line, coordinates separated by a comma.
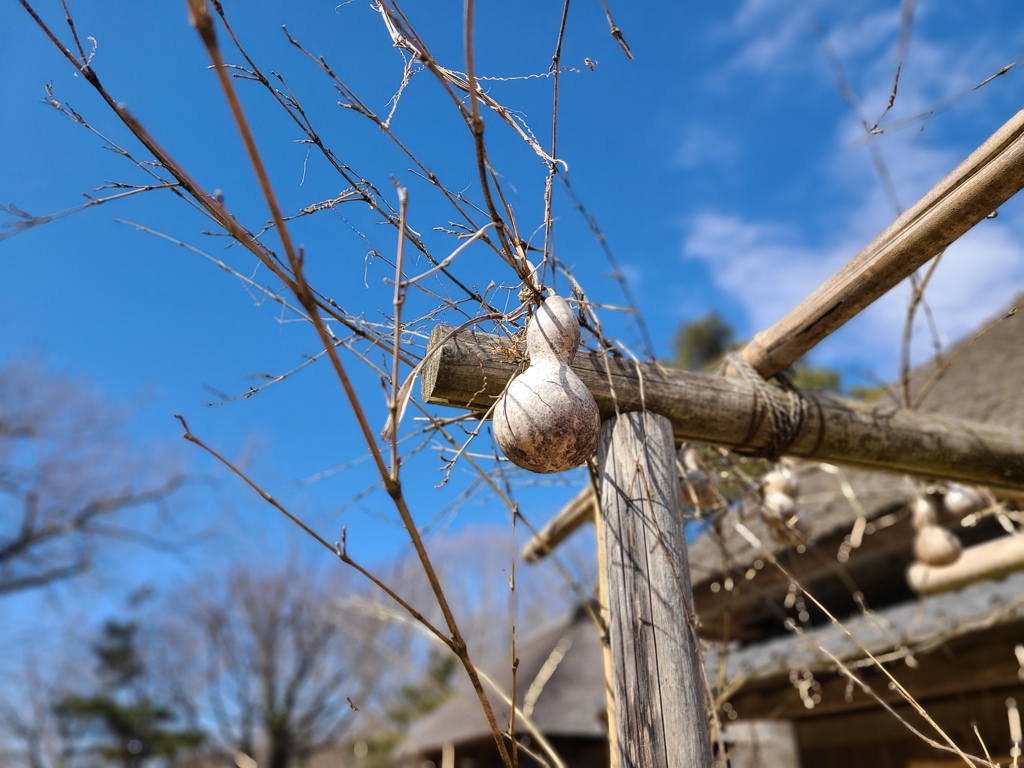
[(554, 333)]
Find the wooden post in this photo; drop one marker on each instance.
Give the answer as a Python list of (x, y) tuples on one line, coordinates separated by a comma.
[(660, 703), (992, 174), (471, 369)]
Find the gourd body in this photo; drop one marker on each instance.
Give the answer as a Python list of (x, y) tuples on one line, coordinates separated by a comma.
[(547, 420), (936, 546)]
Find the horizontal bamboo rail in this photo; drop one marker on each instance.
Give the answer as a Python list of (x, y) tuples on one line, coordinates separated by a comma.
[(979, 185), (471, 369)]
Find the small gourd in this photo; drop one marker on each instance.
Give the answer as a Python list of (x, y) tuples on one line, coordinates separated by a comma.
[(547, 420), (779, 508), (961, 500), (781, 481), (933, 544), (923, 512), (697, 488), (936, 546)]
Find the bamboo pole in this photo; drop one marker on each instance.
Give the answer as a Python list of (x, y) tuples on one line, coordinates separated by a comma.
[(561, 525), (661, 713), (470, 370), (979, 185), (989, 560)]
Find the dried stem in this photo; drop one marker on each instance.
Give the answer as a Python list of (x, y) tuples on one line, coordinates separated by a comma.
[(399, 300), (299, 286), (339, 551), (918, 286), (942, 366)]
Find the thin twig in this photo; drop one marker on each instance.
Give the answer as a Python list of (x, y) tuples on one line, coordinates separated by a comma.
[(918, 286), (24, 220), (946, 364), (902, 46), (399, 301), (340, 552)]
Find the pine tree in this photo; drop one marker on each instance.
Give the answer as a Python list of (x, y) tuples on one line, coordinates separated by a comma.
[(121, 722)]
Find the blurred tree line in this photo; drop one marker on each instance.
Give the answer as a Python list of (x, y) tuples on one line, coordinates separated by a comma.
[(271, 663)]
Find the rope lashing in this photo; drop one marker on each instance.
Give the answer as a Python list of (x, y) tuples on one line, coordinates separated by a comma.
[(786, 410)]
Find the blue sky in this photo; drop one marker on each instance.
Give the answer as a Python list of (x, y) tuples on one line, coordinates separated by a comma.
[(722, 163)]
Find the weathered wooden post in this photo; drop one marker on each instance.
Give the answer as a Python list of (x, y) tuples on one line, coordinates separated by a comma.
[(660, 700), (548, 421)]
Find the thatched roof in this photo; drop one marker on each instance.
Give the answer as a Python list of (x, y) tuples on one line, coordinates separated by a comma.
[(559, 687), (985, 377), (932, 646)]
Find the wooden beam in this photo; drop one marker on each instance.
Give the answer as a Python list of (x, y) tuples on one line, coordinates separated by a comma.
[(978, 186), (581, 509), (470, 370), (661, 709)]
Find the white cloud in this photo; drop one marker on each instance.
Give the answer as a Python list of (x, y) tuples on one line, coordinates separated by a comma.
[(866, 36), (776, 35), (703, 146), (768, 266), (766, 269), (763, 266)]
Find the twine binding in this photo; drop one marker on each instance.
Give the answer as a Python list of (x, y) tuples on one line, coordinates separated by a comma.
[(786, 414)]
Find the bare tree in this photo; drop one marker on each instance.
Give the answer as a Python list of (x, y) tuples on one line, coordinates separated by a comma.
[(31, 733), (283, 676), (66, 479)]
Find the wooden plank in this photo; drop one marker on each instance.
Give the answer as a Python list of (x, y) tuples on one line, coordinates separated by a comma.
[(606, 648), (978, 186), (470, 370), (660, 703)]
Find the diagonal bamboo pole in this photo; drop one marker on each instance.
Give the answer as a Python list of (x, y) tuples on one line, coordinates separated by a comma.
[(470, 370), (979, 185)]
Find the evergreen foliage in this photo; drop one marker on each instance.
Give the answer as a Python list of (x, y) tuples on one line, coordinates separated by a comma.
[(121, 722), (701, 344)]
